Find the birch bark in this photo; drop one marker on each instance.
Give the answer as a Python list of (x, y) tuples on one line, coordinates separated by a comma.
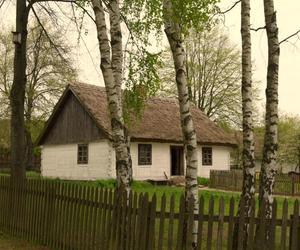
[(111, 53), (175, 38), (268, 168), (248, 191)]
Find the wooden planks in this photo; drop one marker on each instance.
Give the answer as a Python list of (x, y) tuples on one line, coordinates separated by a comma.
[(65, 215)]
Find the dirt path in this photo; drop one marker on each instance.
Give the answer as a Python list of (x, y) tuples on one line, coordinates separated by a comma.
[(11, 243)]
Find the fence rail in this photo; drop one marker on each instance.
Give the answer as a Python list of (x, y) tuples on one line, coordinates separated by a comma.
[(232, 180), (64, 215)]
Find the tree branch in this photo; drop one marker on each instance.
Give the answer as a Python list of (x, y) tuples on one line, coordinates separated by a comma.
[(47, 35), (236, 3), (1, 3), (287, 38), (259, 28)]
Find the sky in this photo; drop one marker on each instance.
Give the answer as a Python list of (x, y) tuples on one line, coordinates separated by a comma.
[(86, 51), (288, 20)]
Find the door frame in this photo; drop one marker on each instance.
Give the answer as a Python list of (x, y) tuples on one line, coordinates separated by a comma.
[(181, 148)]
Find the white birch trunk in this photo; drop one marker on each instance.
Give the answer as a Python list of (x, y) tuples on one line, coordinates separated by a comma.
[(113, 88), (268, 168), (175, 38), (116, 44), (248, 191)]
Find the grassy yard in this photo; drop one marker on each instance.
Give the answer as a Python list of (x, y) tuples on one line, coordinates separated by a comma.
[(12, 243), (143, 187)]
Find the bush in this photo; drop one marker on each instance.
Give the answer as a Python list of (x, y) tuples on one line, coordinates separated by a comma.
[(203, 181), (111, 183)]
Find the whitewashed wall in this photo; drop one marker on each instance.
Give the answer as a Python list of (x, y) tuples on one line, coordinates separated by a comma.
[(60, 161), (220, 161), (161, 162)]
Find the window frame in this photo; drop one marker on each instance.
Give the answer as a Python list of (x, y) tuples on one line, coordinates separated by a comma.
[(82, 152), (141, 161), (206, 155)]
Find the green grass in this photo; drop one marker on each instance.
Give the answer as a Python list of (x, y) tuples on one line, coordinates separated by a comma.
[(13, 243), (159, 191)]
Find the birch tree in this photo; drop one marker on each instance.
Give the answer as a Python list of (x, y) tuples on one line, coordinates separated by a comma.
[(248, 190), (213, 74), (268, 167), (111, 67), (177, 18), (174, 34)]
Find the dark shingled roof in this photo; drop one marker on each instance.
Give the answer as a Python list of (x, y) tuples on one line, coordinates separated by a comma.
[(160, 120)]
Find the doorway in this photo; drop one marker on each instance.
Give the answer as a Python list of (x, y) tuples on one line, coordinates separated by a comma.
[(177, 162)]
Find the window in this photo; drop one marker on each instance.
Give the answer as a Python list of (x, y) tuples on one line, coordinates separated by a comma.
[(145, 154), (83, 154), (206, 156)]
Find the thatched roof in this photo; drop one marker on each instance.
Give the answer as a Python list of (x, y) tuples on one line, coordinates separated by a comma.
[(160, 120)]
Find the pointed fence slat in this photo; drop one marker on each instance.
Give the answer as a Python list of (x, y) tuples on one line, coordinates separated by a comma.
[(133, 222), (294, 228), (261, 226), (161, 222), (272, 226), (230, 224), (171, 223), (129, 220), (181, 223), (145, 222), (210, 223), (190, 224), (139, 222), (283, 241), (151, 224), (200, 222), (220, 224), (241, 224)]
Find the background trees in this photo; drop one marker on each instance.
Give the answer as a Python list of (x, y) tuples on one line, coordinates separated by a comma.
[(213, 73), (47, 75)]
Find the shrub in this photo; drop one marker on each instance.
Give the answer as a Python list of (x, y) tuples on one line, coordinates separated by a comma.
[(203, 181)]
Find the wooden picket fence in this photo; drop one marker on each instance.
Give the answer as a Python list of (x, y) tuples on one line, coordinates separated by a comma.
[(232, 180), (65, 215)]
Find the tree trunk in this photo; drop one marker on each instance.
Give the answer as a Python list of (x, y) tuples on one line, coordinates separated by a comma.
[(268, 168), (175, 38), (17, 94), (248, 191), (116, 45), (111, 75)]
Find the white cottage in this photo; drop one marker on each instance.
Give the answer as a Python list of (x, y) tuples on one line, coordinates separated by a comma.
[(76, 142)]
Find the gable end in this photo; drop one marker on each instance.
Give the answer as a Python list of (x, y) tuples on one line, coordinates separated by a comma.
[(70, 123)]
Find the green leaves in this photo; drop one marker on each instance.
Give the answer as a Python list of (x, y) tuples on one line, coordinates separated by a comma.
[(146, 16), (143, 82)]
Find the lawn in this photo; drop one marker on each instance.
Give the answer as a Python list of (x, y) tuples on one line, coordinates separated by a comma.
[(159, 190), (12, 243)]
